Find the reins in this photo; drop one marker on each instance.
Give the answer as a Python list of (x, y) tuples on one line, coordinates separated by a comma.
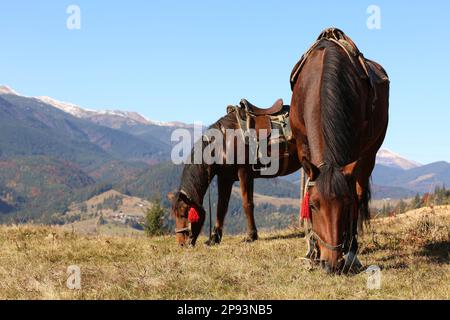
[(209, 194), (209, 204)]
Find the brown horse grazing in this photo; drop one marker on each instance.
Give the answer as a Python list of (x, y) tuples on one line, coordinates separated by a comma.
[(339, 118), (196, 178)]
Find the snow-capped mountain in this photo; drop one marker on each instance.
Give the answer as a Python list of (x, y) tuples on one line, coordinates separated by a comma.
[(100, 116), (7, 90), (67, 107), (110, 118), (390, 159)]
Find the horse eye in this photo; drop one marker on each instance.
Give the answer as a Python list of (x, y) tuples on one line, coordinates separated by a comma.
[(315, 206), (182, 213)]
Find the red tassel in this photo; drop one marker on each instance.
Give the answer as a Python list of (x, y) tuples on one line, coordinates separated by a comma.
[(306, 210), (193, 215)]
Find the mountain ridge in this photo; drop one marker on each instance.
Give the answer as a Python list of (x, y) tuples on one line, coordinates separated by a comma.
[(125, 151), (128, 117), (394, 160)]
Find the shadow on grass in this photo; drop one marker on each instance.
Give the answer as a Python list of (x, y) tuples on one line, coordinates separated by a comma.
[(437, 252), (294, 235), (394, 261)]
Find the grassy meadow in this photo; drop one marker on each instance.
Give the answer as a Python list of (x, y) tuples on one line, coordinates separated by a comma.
[(412, 251)]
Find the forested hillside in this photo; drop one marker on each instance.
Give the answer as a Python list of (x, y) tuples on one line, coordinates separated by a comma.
[(54, 154)]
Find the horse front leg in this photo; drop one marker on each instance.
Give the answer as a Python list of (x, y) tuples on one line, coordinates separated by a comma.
[(247, 181), (225, 186), (352, 263), (196, 228)]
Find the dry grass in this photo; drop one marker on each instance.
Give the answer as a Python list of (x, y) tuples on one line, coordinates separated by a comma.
[(413, 253), (265, 199)]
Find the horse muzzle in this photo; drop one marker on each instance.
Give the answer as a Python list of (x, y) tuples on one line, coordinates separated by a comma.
[(183, 235)]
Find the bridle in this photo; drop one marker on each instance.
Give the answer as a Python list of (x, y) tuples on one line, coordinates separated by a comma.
[(315, 236), (185, 230), (312, 234)]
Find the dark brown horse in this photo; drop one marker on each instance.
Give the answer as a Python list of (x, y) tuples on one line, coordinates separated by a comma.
[(339, 117), (196, 179)]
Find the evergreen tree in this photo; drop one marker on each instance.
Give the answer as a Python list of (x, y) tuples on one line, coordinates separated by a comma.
[(401, 206), (101, 220), (154, 219), (83, 208), (416, 203), (439, 195)]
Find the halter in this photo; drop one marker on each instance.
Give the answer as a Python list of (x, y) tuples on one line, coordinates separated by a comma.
[(315, 236), (185, 230), (311, 183)]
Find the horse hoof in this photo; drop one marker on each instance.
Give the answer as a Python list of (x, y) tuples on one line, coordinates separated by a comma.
[(249, 239), (352, 264), (209, 243), (214, 240), (251, 236), (191, 243)]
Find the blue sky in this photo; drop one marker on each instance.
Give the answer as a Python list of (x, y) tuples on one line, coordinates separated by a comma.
[(186, 60)]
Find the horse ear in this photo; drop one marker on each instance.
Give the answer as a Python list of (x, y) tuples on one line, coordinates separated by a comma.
[(181, 196), (311, 170), (171, 196), (350, 168)]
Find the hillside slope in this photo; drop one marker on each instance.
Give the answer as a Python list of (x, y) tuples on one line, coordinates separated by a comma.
[(420, 179), (38, 186), (28, 126), (413, 257)]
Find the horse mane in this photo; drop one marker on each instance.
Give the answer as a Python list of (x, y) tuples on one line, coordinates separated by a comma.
[(339, 95), (196, 178)]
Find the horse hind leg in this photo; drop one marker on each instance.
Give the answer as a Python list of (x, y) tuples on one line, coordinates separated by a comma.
[(247, 182)]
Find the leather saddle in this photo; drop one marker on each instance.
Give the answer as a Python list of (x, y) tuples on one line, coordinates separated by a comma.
[(250, 116), (271, 124), (277, 107)]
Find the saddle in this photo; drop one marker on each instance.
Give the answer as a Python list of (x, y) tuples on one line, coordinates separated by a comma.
[(250, 116), (277, 107)]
